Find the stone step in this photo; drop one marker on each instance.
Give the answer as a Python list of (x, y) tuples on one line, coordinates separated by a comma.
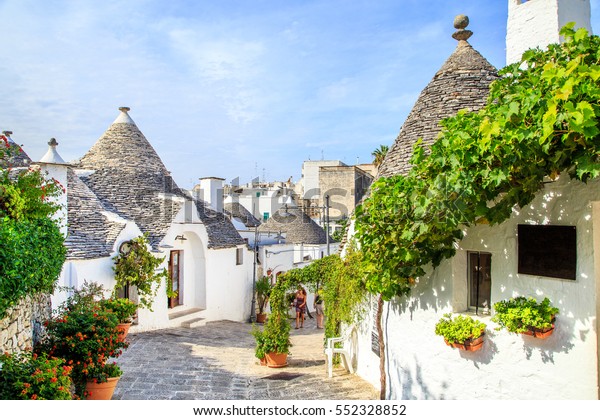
[(193, 323), (180, 312)]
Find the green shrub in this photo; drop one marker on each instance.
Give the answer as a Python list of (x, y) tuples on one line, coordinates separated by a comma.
[(31, 259), (28, 376)]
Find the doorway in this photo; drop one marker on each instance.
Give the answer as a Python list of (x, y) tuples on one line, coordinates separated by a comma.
[(175, 278)]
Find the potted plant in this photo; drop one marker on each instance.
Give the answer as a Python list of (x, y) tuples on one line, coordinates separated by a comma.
[(263, 290), (101, 381), (274, 340), (29, 376), (125, 310), (526, 316), (84, 334), (462, 332)]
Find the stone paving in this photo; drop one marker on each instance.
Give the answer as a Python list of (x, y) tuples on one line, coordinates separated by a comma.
[(217, 362)]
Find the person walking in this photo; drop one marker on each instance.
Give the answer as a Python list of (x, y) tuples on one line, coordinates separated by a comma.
[(320, 314), (300, 308)]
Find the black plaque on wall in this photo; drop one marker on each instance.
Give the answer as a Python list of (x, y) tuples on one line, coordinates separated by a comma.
[(548, 250)]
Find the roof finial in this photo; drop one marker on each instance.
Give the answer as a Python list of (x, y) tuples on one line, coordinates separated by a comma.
[(52, 142), (124, 109), (460, 23)]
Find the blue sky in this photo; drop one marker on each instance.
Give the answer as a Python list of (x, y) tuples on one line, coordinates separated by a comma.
[(230, 88)]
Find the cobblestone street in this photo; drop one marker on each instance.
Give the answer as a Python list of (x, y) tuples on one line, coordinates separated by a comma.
[(217, 362)]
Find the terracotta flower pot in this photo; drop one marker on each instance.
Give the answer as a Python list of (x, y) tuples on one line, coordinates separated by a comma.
[(261, 318), (123, 331), (276, 360), (472, 344), (539, 333), (102, 390)]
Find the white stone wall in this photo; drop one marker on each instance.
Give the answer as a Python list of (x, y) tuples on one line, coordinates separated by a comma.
[(510, 366), (536, 23)]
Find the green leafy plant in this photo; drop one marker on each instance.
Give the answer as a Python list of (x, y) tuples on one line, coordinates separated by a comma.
[(125, 309), (32, 251), (141, 269), (259, 349), (84, 334), (263, 290), (459, 329), (29, 376), (519, 314)]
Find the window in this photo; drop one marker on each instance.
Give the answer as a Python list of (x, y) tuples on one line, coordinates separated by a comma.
[(548, 250), (480, 280), (239, 256)]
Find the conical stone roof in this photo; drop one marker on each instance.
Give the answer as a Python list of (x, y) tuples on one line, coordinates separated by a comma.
[(18, 160), (129, 178), (298, 227), (462, 83)]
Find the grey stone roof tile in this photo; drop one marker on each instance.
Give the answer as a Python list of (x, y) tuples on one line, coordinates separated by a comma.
[(298, 227), (461, 83), (92, 231)]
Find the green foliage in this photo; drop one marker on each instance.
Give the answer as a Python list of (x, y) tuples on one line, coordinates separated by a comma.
[(31, 259), (84, 334), (338, 235), (459, 329), (343, 290), (29, 376), (123, 308), (139, 268), (32, 251), (379, 155), (263, 290), (275, 336), (541, 120), (520, 313), (102, 373)]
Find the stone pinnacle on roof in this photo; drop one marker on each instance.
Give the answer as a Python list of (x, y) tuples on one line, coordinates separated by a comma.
[(460, 23), (52, 155), (462, 83), (124, 117)]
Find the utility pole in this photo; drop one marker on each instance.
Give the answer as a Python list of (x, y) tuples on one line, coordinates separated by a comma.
[(327, 221), (255, 256)]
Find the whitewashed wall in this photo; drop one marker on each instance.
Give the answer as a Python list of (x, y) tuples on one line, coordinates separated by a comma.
[(536, 23), (510, 366)]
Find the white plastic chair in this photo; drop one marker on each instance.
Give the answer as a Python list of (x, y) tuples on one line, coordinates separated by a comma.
[(330, 350)]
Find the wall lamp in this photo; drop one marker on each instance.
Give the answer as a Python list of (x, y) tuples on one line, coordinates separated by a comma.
[(180, 238)]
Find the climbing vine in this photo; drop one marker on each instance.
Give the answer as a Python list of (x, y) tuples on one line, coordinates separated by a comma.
[(342, 283), (139, 268)]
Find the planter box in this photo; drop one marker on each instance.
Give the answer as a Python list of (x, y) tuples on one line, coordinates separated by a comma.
[(472, 344)]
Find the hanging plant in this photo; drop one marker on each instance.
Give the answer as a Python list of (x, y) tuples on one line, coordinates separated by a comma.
[(139, 268)]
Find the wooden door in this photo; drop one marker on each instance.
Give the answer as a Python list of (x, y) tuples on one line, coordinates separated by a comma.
[(175, 277)]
